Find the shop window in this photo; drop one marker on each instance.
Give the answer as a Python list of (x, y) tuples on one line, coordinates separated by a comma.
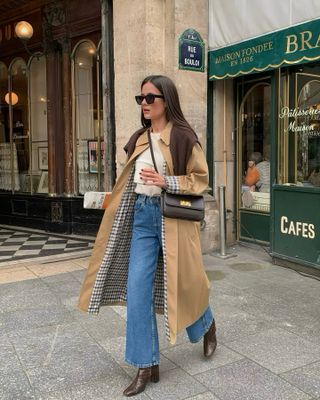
[(18, 86), (88, 118), (38, 125), (8, 165), (299, 127), (254, 149), (308, 136)]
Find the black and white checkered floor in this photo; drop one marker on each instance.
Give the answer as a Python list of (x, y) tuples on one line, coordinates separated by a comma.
[(17, 245)]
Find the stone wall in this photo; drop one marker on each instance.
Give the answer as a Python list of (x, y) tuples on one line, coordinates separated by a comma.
[(146, 37)]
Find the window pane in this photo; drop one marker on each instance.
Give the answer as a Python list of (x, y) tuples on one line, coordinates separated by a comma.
[(5, 147), (307, 128), (255, 148), (19, 82), (38, 128), (89, 163)]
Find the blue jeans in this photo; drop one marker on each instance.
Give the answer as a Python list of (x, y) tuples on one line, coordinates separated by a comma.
[(142, 345)]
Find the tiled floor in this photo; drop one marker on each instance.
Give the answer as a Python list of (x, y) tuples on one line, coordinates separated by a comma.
[(15, 245)]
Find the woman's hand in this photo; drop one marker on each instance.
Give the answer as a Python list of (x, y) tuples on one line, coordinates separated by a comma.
[(151, 177)]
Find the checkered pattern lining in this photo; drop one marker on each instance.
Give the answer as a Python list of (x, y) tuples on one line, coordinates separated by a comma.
[(165, 279), (16, 245), (172, 183), (111, 281)]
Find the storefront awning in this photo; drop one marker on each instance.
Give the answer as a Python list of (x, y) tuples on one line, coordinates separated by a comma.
[(295, 45)]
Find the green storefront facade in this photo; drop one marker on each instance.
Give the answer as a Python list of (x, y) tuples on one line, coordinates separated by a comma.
[(276, 79)]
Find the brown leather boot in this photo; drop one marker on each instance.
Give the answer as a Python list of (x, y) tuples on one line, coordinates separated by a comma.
[(143, 376), (210, 341)]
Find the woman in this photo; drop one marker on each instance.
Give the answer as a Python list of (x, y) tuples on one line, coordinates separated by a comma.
[(252, 175), (152, 263)]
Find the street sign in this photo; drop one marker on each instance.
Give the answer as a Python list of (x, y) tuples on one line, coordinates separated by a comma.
[(191, 51)]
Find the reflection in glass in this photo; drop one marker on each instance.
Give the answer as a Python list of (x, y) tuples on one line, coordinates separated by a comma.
[(38, 120), (5, 147), (255, 150), (19, 84), (4, 123), (11, 96), (308, 151), (87, 118)]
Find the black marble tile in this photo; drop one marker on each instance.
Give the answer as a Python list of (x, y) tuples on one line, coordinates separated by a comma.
[(79, 244), (31, 247), (6, 253), (35, 238), (57, 241), (17, 242)]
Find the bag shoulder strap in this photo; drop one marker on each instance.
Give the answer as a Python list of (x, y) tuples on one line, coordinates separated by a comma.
[(151, 151)]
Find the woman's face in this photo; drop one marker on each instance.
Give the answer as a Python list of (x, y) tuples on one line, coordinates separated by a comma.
[(251, 163), (156, 110)]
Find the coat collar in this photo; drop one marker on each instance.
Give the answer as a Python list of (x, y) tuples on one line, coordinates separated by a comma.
[(164, 136), (142, 144)]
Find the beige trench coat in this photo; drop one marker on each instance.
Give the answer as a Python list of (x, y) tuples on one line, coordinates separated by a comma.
[(184, 286)]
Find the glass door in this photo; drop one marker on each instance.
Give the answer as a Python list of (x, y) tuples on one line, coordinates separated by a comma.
[(253, 159)]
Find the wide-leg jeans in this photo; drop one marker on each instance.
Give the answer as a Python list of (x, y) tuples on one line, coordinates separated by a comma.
[(142, 344)]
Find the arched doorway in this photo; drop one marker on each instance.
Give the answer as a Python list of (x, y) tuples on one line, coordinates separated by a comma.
[(253, 160)]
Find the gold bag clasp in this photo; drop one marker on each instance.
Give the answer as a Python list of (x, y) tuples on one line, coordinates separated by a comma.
[(185, 203)]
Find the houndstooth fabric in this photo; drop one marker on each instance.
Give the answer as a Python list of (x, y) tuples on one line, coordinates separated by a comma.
[(172, 183), (111, 281), (164, 252), (165, 280)]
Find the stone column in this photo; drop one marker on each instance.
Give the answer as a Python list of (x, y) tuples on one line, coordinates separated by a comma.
[(150, 46)]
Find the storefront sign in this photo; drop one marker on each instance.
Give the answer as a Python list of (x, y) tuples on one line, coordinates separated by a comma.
[(296, 125), (297, 224), (295, 45), (191, 51)]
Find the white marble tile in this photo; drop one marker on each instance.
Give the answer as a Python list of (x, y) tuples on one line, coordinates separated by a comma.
[(54, 246), (17, 239), (9, 248), (3, 258), (26, 252), (34, 242)]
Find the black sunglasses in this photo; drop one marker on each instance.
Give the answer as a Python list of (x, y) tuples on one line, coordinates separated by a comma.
[(149, 98)]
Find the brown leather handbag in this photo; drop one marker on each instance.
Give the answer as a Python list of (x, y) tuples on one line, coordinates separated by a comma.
[(179, 205)]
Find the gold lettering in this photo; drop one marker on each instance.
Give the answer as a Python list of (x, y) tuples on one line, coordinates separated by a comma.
[(291, 41), (246, 53), (305, 40), (318, 42)]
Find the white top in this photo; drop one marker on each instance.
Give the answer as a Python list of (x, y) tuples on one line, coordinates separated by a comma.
[(144, 160)]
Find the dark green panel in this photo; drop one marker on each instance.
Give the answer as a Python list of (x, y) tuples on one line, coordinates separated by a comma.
[(296, 218), (254, 226), (283, 47)]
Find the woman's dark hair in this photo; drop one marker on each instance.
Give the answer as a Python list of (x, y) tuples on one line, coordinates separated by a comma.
[(173, 109)]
